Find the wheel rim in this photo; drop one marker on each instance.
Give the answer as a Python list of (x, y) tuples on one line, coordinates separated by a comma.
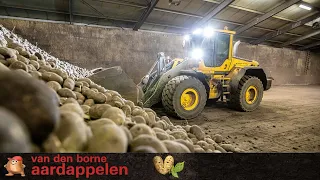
[(251, 94), (189, 99)]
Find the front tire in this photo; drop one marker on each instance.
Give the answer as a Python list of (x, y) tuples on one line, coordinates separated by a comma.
[(184, 97), (249, 94)]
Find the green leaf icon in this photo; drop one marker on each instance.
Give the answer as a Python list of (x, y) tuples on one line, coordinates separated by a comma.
[(179, 167), (174, 173)]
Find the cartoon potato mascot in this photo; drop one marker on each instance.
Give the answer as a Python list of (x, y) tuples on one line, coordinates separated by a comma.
[(15, 166)]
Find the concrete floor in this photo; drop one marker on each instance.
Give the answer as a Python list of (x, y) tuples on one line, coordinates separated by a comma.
[(288, 120)]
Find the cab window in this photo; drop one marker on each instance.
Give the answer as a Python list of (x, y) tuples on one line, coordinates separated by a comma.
[(222, 48)]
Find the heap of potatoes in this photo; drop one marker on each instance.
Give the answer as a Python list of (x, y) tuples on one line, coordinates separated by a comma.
[(46, 110), (73, 71)]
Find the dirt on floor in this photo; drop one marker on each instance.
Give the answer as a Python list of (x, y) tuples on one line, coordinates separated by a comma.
[(288, 120)]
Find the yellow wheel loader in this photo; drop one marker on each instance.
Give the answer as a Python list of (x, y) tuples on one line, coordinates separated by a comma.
[(210, 71)]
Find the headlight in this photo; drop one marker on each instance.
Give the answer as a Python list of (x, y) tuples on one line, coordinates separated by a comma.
[(197, 53), (208, 32)]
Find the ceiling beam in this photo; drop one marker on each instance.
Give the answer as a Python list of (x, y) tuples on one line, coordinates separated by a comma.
[(145, 15), (269, 14), (162, 10), (286, 28), (213, 12), (310, 46), (300, 38)]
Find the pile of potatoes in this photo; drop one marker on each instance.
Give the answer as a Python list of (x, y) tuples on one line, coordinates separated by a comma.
[(10, 38), (46, 110)]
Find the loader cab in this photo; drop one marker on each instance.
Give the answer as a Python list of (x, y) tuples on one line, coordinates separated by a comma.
[(212, 47)]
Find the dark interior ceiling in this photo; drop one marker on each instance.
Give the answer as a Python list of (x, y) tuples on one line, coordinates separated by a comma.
[(280, 23)]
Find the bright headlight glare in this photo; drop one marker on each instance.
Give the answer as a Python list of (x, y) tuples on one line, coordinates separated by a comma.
[(197, 53), (186, 38), (208, 32), (197, 31)]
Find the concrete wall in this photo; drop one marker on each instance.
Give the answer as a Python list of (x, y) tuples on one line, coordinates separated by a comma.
[(135, 52)]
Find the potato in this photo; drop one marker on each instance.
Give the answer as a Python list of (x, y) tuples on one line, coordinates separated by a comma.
[(87, 80), (71, 101), (99, 97), (97, 110), (187, 128), (62, 100), (11, 60), (191, 135), (79, 96), (144, 149), (209, 151), (31, 68), (202, 143), (114, 93), (175, 147), (69, 83), (159, 124), (115, 114), (64, 92), (188, 144), (199, 150), (72, 107), (149, 140), (152, 118), (108, 96), (77, 89), (162, 136), (54, 85), (197, 131), (14, 135), (159, 165), (32, 101), (36, 74), (23, 59), (127, 110), (130, 103), (128, 133), (89, 93), (3, 68), (114, 141), (155, 129), (166, 119), (40, 56), (73, 131), (85, 109), (138, 119), (128, 124), (7, 52), (217, 138), (19, 65), (89, 102), (4, 62), (85, 84), (228, 147), (209, 141), (53, 145), (101, 89), (219, 148), (50, 76), (2, 57), (172, 137), (216, 151), (60, 72), (179, 135), (33, 57), (194, 140), (100, 122), (139, 129), (78, 84)]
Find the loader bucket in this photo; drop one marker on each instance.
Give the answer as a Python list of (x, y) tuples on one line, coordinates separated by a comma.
[(116, 79)]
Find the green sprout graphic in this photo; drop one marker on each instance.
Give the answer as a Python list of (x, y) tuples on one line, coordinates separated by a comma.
[(177, 168)]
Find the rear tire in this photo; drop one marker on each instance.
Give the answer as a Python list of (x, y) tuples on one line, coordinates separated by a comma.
[(248, 96), (174, 91)]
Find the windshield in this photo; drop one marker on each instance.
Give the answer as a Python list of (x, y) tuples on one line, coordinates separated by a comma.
[(213, 51)]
